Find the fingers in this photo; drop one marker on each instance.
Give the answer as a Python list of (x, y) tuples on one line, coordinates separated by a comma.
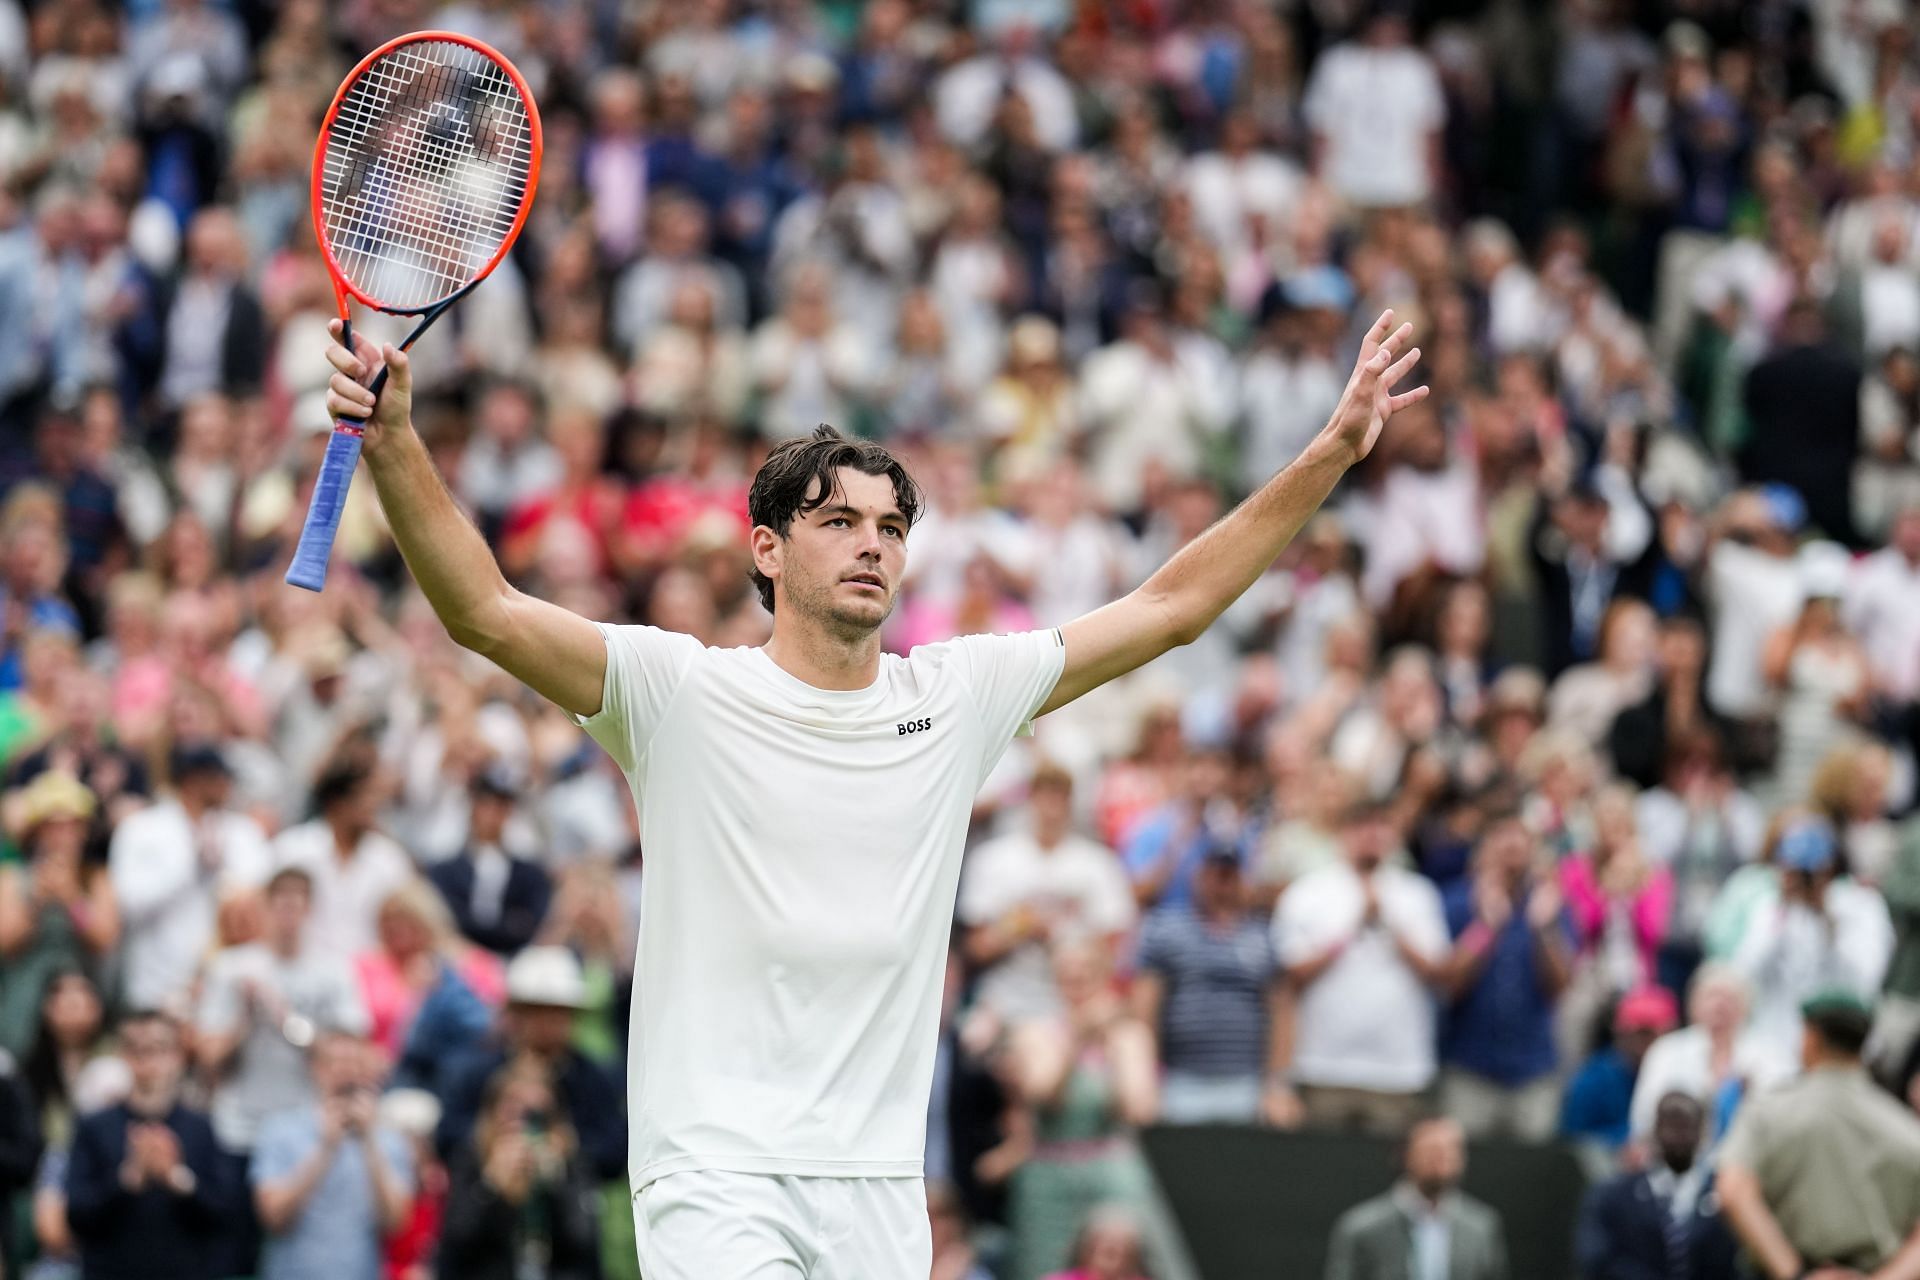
[(1377, 364), (1402, 367), (1406, 398), (399, 368), (346, 398), (1381, 327)]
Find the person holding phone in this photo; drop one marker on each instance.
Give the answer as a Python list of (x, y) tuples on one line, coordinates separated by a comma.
[(521, 1199)]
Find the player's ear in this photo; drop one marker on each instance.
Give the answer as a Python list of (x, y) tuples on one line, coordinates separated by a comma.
[(767, 547)]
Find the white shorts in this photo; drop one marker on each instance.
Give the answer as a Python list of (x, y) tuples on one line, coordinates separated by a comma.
[(708, 1225)]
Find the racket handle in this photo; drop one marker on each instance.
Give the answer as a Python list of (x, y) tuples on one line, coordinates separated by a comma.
[(309, 567)]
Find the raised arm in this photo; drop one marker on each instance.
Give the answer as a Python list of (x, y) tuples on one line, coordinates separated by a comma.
[(1181, 600), (557, 654)]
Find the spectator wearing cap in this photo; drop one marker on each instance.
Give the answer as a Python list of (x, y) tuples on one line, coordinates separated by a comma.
[(261, 1006), (545, 990), (498, 900), (1425, 1226), (1814, 928), (57, 913), (1208, 988), (170, 864), (1597, 1109), (1364, 944), (1023, 890), (1661, 1222), (329, 1180), (147, 1193), (1817, 1177), (1512, 959), (353, 865)]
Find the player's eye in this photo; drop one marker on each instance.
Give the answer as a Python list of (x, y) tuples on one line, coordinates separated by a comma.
[(836, 522), (895, 530)]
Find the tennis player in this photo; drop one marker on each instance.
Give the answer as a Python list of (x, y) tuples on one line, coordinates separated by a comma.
[(803, 807)]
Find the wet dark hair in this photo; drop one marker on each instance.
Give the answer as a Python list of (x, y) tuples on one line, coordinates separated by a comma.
[(799, 476)]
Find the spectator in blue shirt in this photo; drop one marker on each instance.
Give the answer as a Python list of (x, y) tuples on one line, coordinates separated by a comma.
[(329, 1183), (1599, 1099), (1512, 958), (1164, 849)]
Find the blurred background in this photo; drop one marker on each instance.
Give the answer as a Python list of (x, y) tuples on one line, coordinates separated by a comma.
[(1502, 833)]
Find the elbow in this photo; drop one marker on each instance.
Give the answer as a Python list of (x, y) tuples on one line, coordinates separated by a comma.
[(483, 627)]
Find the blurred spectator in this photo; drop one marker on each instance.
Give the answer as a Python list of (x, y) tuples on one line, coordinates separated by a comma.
[(1621, 904), (1028, 889), (545, 991), (328, 1180), (73, 1068), (953, 1257), (520, 1202), (1425, 1226), (1814, 1174), (1108, 1248), (1820, 672), (1661, 1221), (1714, 1059), (57, 912), (1087, 1077), (497, 899), (1596, 1111), (1365, 944), (261, 1004), (352, 864), (1803, 406), (169, 865), (1208, 988), (1377, 145), (1814, 928), (1166, 845), (429, 996), (1512, 958), (146, 1189)]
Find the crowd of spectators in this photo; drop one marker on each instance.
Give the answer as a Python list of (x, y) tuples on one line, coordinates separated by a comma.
[(1560, 761)]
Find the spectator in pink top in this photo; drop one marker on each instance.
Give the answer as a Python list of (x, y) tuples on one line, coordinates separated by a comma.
[(1620, 902)]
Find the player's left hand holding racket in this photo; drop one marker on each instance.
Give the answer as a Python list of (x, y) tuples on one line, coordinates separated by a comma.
[(423, 175)]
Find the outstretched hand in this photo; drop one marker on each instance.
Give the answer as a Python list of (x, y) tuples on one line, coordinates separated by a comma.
[(1369, 401), (348, 394)]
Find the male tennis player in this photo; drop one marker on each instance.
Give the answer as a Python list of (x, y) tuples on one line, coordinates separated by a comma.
[(803, 807)]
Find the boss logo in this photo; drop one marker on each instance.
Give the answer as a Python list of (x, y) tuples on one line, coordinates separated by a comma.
[(914, 726)]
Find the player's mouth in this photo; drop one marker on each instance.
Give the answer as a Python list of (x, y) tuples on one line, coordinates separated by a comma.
[(872, 580)]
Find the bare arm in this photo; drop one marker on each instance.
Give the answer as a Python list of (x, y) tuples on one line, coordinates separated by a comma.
[(557, 654), (280, 1203), (389, 1193), (1149, 991), (1754, 1223), (1904, 1265), (16, 912), (1181, 600), (1136, 1084)]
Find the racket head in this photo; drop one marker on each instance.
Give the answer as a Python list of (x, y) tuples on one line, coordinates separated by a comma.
[(424, 172)]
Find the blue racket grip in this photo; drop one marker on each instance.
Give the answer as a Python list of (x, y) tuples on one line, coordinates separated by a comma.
[(309, 567)]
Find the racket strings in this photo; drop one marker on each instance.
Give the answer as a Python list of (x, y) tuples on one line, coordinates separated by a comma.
[(426, 167)]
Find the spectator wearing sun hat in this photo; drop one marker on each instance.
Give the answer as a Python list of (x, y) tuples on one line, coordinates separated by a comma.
[(545, 990), (56, 912)]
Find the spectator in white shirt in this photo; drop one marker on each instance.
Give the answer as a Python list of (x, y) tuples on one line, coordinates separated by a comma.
[(170, 864), (1713, 1051), (1882, 608), (1024, 891), (354, 867), (1242, 196), (1376, 110), (1364, 944)]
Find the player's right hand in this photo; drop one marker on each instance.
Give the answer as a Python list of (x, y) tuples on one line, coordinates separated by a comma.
[(348, 395)]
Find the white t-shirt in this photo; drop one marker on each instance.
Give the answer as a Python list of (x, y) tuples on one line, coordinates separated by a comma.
[(1376, 108), (347, 893), (802, 855), (1752, 593), (1078, 884), (1367, 1022)]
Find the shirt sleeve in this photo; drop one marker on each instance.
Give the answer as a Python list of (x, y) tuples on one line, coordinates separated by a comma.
[(645, 666), (1009, 678), (1746, 1139), (277, 1152), (219, 1012)]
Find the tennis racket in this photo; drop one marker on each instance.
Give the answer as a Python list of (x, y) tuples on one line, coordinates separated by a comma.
[(422, 177)]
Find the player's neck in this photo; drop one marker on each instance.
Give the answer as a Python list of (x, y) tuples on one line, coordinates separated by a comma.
[(824, 660)]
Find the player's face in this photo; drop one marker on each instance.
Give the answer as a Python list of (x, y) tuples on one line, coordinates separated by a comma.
[(841, 564)]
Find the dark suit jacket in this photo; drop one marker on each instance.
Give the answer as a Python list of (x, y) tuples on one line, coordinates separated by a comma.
[(1623, 1234), (1374, 1241), (522, 906), (126, 1235)]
